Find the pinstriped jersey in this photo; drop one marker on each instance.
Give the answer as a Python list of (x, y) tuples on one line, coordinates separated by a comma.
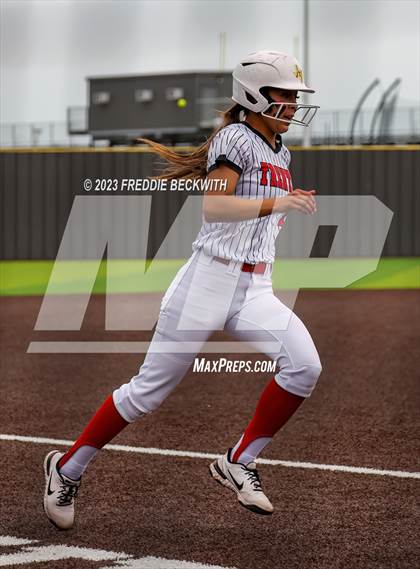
[(264, 173)]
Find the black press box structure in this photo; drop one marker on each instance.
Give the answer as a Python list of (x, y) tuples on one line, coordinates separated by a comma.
[(171, 107)]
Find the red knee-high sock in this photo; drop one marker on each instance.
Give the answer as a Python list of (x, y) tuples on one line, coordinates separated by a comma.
[(274, 409), (103, 427)]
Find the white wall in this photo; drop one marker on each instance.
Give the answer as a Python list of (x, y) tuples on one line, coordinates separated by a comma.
[(48, 47)]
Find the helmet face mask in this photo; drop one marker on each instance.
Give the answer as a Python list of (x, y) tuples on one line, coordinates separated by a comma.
[(265, 69), (305, 113)]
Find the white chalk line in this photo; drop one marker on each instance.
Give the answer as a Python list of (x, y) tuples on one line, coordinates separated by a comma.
[(52, 553), (210, 456), (9, 541)]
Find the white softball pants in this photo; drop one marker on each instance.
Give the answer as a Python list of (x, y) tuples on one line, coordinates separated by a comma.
[(205, 296)]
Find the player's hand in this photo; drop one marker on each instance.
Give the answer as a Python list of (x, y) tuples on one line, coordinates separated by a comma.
[(300, 192), (298, 200), (304, 192)]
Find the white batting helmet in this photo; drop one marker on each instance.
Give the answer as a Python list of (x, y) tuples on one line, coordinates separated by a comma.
[(268, 69)]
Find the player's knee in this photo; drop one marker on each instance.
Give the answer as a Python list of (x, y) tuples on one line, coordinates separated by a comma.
[(311, 376), (132, 406), (157, 377), (300, 380)]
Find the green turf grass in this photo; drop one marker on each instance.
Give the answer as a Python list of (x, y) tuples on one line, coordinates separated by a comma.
[(31, 277)]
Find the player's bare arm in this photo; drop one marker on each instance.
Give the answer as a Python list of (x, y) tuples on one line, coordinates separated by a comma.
[(223, 206)]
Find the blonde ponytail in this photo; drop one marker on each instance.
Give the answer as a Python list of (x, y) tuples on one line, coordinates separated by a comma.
[(191, 164)]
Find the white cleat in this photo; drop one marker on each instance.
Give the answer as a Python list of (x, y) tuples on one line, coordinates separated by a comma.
[(60, 493), (245, 481)]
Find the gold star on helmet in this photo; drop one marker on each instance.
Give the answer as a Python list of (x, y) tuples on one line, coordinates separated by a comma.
[(298, 73)]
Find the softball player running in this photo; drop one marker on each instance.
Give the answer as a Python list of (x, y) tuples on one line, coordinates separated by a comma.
[(226, 284)]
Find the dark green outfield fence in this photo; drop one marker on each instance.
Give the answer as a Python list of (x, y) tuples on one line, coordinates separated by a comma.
[(39, 186)]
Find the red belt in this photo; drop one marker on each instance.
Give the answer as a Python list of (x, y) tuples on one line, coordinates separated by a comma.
[(258, 269)]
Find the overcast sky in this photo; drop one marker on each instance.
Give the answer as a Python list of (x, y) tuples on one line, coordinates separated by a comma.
[(49, 47)]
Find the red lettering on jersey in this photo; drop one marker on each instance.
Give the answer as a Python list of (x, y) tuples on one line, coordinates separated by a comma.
[(264, 170), (274, 176), (279, 177)]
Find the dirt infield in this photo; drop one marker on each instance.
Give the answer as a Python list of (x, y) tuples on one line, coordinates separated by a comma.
[(364, 413)]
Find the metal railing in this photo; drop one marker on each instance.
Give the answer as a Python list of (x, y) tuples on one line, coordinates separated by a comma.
[(328, 127), (39, 134), (334, 127)]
